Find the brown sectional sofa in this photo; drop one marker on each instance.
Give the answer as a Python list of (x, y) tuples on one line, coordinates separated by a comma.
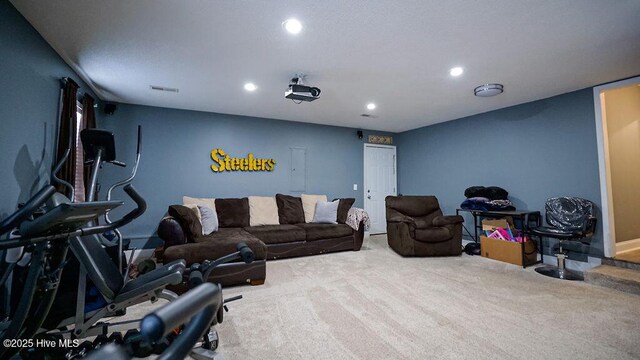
[(293, 237)]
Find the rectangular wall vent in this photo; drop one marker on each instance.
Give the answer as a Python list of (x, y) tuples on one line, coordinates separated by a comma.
[(163, 88)]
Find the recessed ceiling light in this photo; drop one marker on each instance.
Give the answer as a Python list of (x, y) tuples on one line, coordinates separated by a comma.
[(456, 71), (371, 106), (293, 26), (250, 86)]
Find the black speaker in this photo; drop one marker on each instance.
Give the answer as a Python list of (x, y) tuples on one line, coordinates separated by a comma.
[(360, 135), (109, 108)]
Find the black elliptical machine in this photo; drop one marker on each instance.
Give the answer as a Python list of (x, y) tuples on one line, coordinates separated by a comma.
[(100, 149), (94, 287), (42, 230)]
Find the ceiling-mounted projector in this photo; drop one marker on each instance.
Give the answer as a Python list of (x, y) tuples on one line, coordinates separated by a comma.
[(298, 92)]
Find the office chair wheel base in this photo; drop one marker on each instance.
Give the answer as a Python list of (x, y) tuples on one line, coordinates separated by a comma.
[(555, 272)]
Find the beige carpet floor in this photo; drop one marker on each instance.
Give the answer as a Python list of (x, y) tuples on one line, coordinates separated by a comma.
[(374, 304)]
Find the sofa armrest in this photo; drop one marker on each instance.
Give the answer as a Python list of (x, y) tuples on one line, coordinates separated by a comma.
[(447, 220), (402, 219), (358, 237), (171, 232)]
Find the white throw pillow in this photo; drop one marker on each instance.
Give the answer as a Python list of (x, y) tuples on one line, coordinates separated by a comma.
[(326, 212), (263, 210), (209, 219), (309, 205), (209, 202)]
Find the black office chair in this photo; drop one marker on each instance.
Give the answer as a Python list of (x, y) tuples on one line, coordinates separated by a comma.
[(569, 219)]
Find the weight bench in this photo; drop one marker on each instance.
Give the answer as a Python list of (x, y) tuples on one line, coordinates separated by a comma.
[(97, 265)]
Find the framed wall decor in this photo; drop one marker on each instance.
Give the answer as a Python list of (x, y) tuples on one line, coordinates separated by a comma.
[(381, 139)]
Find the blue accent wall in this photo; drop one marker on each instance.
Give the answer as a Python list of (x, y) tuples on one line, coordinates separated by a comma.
[(176, 158), (536, 150), (30, 73)]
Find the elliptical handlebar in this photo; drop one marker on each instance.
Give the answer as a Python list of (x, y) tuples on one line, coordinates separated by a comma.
[(55, 178), (133, 172), (139, 139), (141, 207), (117, 163), (27, 210)]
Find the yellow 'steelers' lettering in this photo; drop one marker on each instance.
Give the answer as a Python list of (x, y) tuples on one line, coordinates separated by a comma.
[(271, 163), (216, 159), (252, 163), (224, 162)]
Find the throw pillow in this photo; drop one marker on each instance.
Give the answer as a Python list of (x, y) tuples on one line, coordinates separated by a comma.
[(326, 212), (343, 209), (263, 210), (210, 202), (289, 209), (195, 209), (232, 212), (309, 205), (188, 220), (209, 220)]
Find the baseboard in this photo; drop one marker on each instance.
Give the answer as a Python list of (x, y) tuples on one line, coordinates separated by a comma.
[(466, 241), (626, 246)]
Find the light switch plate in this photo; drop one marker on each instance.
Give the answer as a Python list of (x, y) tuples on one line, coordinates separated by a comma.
[(355, 187)]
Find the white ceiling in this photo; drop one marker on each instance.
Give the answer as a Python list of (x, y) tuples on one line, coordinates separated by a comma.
[(394, 53)]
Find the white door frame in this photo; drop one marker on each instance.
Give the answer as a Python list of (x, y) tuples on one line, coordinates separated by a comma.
[(608, 233), (395, 169)]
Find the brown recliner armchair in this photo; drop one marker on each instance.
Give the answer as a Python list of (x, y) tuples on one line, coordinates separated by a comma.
[(416, 227)]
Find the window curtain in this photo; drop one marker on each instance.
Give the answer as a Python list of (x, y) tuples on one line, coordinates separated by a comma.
[(88, 122), (66, 134)]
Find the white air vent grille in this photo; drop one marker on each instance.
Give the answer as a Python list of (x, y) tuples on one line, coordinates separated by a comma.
[(163, 88)]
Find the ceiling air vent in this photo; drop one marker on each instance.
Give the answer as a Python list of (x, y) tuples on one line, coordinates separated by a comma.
[(163, 88), (369, 116)]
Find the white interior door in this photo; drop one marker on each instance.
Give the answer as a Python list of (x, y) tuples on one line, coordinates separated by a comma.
[(380, 180)]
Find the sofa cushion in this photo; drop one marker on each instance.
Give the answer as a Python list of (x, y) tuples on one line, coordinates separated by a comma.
[(222, 232), (277, 234), (216, 245), (188, 220), (289, 209), (309, 205), (233, 212), (433, 234), (325, 231), (343, 209), (210, 202), (263, 211)]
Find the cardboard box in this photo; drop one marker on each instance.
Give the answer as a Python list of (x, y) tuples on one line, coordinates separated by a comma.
[(503, 250), (508, 251)]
